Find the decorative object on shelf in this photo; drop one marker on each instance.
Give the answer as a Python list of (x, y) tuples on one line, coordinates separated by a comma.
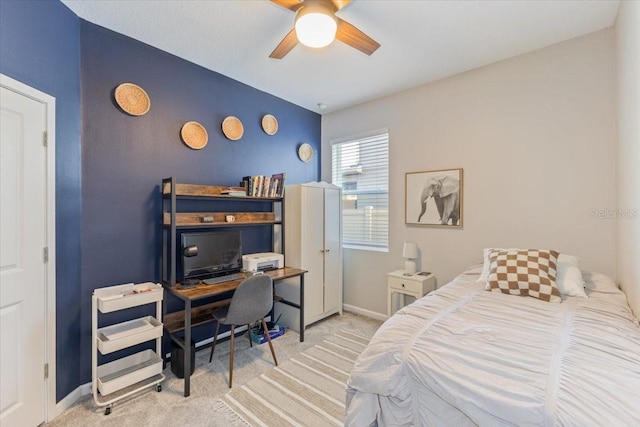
[(232, 128), (132, 99), (410, 252), (305, 152), (269, 124), (444, 187), (194, 135)]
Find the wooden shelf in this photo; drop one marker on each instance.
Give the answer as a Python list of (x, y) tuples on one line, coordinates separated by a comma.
[(174, 322), (209, 191), (192, 219)]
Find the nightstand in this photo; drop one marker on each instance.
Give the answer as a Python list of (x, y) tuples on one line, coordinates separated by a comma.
[(417, 286)]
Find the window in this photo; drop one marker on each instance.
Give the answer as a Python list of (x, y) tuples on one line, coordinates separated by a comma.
[(361, 167)]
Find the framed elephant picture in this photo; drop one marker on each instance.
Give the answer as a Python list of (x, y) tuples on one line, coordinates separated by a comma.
[(433, 198)]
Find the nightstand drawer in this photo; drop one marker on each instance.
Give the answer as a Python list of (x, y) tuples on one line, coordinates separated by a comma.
[(404, 285)]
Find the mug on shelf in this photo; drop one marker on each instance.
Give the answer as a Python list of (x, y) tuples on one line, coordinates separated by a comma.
[(230, 218)]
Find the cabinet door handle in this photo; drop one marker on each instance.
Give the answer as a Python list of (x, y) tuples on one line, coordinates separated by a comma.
[(327, 250)]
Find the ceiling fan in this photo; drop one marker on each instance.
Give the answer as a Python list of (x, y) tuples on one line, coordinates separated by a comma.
[(316, 25)]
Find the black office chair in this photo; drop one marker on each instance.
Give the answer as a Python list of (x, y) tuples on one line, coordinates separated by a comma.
[(252, 301)]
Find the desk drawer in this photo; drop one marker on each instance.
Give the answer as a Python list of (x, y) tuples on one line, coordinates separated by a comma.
[(404, 285)]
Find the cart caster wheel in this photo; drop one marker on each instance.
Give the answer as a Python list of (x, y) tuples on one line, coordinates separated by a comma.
[(159, 388), (108, 410)]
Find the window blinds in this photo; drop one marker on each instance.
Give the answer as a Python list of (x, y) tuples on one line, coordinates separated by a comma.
[(361, 168)]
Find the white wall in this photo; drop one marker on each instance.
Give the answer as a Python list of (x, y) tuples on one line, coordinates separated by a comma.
[(535, 135), (628, 171)]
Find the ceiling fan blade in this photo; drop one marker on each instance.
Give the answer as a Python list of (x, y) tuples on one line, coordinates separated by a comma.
[(339, 4), (292, 5), (288, 42), (355, 38)]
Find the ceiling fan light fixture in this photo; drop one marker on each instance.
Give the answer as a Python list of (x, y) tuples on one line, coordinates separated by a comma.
[(315, 25)]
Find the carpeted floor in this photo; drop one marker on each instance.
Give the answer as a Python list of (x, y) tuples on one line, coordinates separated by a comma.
[(209, 382), (307, 390)]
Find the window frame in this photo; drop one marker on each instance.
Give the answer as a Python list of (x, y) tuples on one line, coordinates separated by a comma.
[(354, 138)]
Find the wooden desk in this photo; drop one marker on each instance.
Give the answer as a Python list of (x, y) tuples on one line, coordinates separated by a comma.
[(199, 315)]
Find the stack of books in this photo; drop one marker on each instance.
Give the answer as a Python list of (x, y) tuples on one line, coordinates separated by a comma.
[(234, 191), (263, 185)]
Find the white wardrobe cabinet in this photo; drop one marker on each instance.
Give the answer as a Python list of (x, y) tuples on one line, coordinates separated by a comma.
[(313, 242)]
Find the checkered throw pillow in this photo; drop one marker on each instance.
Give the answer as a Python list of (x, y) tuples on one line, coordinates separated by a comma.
[(528, 272)]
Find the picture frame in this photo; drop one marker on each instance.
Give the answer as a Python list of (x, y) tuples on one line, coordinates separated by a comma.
[(434, 198)]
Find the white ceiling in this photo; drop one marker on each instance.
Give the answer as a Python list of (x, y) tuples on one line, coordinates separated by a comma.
[(421, 41)]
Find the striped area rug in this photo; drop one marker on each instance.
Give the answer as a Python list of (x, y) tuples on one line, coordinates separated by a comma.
[(307, 390)]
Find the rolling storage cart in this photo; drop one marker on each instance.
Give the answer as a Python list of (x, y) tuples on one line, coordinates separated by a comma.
[(123, 377)]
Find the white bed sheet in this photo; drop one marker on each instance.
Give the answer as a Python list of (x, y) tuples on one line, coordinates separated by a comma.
[(462, 356)]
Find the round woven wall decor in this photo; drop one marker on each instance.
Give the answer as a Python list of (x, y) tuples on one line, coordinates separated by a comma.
[(305, 152), (132, 99), (269, 124), (232, 128), (194, 135)]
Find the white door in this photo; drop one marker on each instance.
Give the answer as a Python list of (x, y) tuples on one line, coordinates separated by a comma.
[(333, 254), (22, 265)]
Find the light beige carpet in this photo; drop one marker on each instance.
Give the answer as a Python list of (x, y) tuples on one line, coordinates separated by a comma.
[(208, 383), (308, 390)]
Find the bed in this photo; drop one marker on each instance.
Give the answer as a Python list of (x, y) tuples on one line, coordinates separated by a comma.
[(462, 356)]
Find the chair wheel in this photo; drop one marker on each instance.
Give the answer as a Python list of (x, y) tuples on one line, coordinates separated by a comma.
[(108, 410), (159, 388)]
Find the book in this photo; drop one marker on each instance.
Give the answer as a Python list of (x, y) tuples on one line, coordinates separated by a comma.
[(265, 186), (246, 183), (233, 190), (279, 190), (255, 180)]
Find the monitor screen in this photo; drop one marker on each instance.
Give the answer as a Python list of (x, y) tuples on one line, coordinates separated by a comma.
[(211, 253)]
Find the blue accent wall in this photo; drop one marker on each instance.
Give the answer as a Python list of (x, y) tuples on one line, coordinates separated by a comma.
[(109, 165), (124, 158), (40, 46)]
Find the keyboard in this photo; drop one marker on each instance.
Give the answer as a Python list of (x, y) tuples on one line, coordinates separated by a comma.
[(220, 279)]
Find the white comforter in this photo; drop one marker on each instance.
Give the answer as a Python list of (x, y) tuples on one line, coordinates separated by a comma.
[(462, 356)]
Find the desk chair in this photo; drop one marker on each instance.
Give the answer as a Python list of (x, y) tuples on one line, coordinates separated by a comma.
[(252, 301)]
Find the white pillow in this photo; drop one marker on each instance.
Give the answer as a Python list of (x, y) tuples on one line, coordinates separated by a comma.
[(600, 283), (569, 280)]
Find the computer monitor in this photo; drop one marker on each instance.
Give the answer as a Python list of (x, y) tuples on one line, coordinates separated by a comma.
[(210, 254)]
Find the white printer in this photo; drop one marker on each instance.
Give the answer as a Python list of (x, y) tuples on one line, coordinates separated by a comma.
[(262, 261)]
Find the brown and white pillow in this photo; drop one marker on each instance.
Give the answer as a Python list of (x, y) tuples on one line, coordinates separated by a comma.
[(528, 272)]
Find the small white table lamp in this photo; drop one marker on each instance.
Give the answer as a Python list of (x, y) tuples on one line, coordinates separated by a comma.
[(410, 252)]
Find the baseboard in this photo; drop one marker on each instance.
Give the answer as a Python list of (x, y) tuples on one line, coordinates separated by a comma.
[(364, 312), (71, 398)]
